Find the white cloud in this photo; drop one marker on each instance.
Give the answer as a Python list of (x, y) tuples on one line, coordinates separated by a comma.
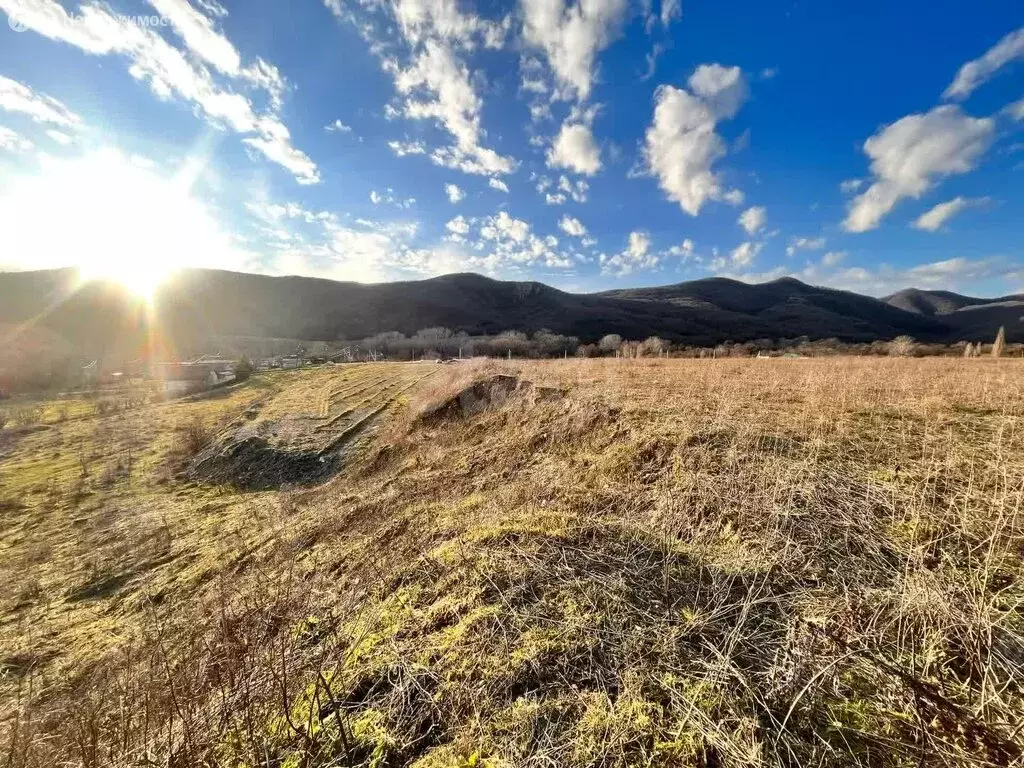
[(933, 219), (403, 148), (571, 35), (753, 219), (685, 249), (567, 189), (976, 72), (169, 72), (199, 35), (337, 127), (274, 141), (497, 184), (681, 144), (454, 192), (572, 226), (577, 190), (442, 19), (833, 258), (804, 243), (723, 89), (744, 254), (850, 185), (59, 137), (652, 61), (12, 141), (387, 197), (671, 10), (213, 8), (511, 243), (575, 149), (908, 156), (958, 274), (1016, 109), (458, 226), (438, 87), (18, 97), (636, 256)]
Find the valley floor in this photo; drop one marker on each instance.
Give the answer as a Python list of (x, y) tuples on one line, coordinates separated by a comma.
[(622, 562)]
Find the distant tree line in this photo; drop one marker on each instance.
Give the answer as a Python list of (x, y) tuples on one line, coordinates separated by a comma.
[(442, 343)]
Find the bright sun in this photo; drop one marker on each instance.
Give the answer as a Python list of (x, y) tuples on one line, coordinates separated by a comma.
[(113, 217)]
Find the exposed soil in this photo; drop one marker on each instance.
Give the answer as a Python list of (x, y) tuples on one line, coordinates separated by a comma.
[(253, 464), (491, 392)]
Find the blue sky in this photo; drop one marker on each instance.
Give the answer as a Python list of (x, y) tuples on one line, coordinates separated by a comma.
[(589, 145)]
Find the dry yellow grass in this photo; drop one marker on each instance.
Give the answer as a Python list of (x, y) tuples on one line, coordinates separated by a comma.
[(734, 562)]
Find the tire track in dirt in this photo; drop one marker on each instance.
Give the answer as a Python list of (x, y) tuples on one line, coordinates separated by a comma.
[(355, 429)]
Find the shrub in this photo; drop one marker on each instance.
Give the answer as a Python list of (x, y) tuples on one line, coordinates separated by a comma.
[(902, 346), (192, 438), (244, 369)]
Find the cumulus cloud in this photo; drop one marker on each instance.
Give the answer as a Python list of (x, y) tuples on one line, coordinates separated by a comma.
[(975, 73), (387, 197), (637, 256), (404, 148), (497, 184), (681, 145), (850, 185), (908, 156), (833, 258), (934, 219), (744, 254), (804, 243), (458, 226), (558, 193), (169, 72), (338, 127), (572, 226), (571, 35), (511, 242), (575, 149), (753, 219), (454, 192)]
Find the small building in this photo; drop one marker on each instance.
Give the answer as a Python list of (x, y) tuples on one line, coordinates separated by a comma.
[(290, 362), (185, 378)]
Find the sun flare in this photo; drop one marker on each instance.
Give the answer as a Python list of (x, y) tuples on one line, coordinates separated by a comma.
[(111, 216)]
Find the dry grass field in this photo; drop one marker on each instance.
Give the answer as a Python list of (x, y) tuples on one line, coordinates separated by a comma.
[(623, 563)]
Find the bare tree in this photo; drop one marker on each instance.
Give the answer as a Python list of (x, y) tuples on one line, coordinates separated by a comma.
[(902, 346), (653, 346), (1000, 343), (610, 343)]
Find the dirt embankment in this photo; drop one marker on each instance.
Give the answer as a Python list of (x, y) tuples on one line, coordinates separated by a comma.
[(249, 458)]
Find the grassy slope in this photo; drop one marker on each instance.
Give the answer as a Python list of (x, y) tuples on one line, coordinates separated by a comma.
[(809, 562)]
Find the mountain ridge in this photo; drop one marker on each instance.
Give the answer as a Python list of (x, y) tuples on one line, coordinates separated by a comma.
[(98, 318)]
